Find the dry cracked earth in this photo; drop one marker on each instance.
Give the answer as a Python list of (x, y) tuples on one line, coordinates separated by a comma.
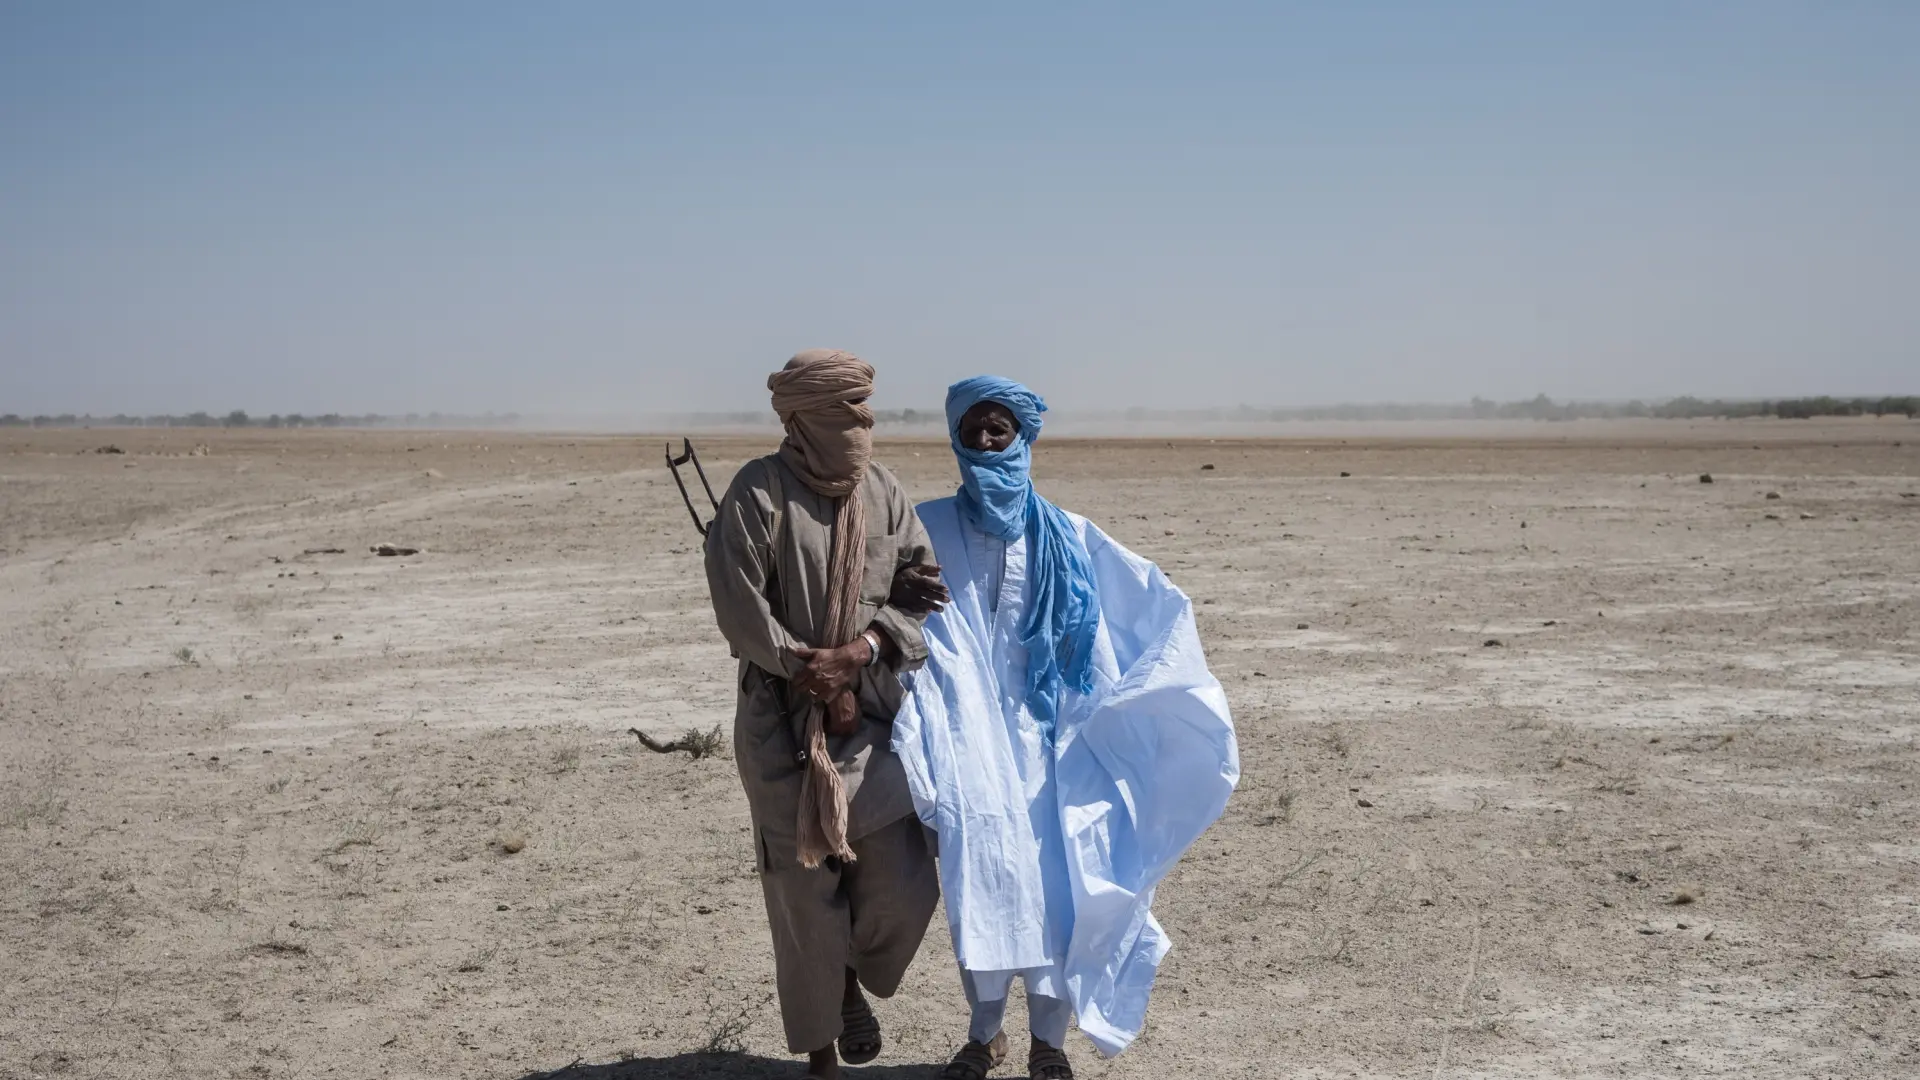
[(1558, 761)]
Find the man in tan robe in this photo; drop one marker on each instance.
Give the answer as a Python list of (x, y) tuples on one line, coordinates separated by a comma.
[(845, 865)]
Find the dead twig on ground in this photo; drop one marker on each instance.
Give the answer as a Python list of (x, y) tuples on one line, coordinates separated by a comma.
[(696, 743)]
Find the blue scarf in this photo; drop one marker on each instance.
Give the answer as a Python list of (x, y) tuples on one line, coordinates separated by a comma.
[(996, 496)]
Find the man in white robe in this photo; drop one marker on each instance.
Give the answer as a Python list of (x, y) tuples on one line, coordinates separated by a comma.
[(1065, 741)]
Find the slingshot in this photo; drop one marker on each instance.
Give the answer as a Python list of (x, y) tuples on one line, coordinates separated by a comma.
[(687, 455)]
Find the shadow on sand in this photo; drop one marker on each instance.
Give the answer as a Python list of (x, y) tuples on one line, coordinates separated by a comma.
[(725, 1067)]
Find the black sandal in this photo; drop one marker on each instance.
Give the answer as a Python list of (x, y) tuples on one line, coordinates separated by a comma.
[(976, 1060), (1048, 1063), (859, 1040)]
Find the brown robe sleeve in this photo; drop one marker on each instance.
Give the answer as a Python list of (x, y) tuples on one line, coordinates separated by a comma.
[(912, 547), (740, 561)]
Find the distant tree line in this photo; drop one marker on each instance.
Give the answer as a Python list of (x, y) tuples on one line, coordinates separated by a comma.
[(1693, 408), (1543, 407), (1790, 408), (239, 419)]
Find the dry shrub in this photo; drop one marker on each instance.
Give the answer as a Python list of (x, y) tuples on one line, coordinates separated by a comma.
[(37, 793), (727, 1028), (360, 834), (701, 744), (278, 946), (1337, 741), (1274, 807), (477, 960)]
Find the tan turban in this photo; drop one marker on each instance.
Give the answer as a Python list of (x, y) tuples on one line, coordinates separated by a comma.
[(829, 438), (821, 398)]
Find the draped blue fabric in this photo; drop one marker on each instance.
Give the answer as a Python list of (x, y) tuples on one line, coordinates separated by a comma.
[(996, 496)]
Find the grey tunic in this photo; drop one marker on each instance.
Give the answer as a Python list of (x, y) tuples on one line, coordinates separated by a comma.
[(870, 915), (767, 602)]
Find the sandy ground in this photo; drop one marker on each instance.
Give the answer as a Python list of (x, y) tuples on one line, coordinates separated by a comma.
[(253, 799)]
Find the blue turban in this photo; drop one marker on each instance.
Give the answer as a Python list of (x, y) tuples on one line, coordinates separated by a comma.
[(996, 496)]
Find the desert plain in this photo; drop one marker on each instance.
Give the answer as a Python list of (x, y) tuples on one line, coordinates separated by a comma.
[(1558, 761)]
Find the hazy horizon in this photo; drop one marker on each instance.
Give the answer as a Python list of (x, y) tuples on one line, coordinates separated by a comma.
[(1400, 417), (368, 208), (929, 412)]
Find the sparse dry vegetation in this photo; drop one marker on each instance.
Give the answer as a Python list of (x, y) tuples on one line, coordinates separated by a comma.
[(35, 790), (359, 834), (1272, 805), (477, 960), (729, 1019)]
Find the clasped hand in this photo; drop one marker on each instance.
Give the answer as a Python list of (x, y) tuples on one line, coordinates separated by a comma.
[(828, 672)]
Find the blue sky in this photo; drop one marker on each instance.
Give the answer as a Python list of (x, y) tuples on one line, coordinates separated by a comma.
[(627, 207)]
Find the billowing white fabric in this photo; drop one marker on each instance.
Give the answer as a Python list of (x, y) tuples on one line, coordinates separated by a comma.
[(1049, 854)]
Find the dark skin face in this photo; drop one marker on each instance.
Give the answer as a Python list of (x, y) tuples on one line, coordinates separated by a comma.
[(988, 427)]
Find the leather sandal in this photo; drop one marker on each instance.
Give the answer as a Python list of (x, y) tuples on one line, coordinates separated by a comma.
[(1048, 1063), (860, 1040), (976, 1060)]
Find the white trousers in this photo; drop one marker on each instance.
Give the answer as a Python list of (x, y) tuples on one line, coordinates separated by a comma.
[(1047, 1017)]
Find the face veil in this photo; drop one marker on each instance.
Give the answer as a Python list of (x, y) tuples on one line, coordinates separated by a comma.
[(997, 497), (820, 397)]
